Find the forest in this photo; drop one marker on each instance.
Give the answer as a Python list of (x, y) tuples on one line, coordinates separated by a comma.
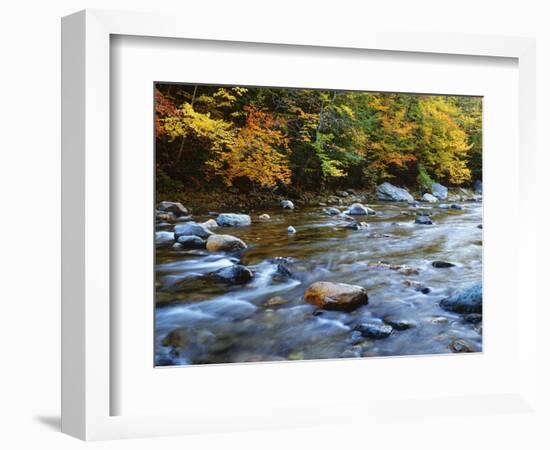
[(255, 139)]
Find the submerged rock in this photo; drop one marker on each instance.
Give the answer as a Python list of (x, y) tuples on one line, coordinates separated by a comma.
[(389, 192), (456, 206), (405, 270), (237, 274), (264, 217), (338, 296), (174, 207), (192, 229), (429, 198), (473, 318), (224, 243), (417, 286), (442, 264), (287, 204), (423, 220), (374, 330), (467, 301), (399, 323), (462, 346), (189, 242), (356, 225), (233, 220), (357, 209), (439, 191)]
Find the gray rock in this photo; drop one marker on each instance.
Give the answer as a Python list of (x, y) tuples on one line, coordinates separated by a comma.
[(374, 330), (287, 204), (264, 217), (467, 301), (442, 264), (291, 230), (457, 207), (462, 346), (237, 274), (478, 187), (357, 209), (444, 206), (399, 323), (356, 225), (210, 223), (389, 192), (423, 220), (174, 207), (164, 237), (191, 229), (342, 194), (189, 242), (439, 191), (332, 211), (233, 220), (473, 318), (429, 198)]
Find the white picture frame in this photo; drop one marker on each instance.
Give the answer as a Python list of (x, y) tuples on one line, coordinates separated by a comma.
[(86, 247)]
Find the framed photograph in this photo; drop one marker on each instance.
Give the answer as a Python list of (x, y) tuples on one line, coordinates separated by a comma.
[(251, 220)]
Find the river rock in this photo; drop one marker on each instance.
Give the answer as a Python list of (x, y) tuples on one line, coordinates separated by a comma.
[(275, 301), (457, 207), (291, 230), (478, 187), (174, 207), (342, 194), (164, 237), (287, 204), (356, 225), (480, 226), (439, 191), (210, 223), (264, 217), (374, 330), (417, 286), (429, 198), (473, 318), (224, 243), (191, 229), (233, 220), (332, 211), (389, 192), (237, 274), (165, 216), (442, 264), (405, 270), (357, 209), (399, 323), (189, 242), (462, 346), (338, 296), (423, 220), (444, 206), (467, 301)]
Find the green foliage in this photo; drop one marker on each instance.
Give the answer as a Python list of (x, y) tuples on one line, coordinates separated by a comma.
[(312, 139)]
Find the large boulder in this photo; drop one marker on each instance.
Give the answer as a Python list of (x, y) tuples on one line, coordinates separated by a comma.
[(174, 207), (389, 192), (439, 191), (191, 229), (357, 209), (429, 198), (233, 220), (467, 301), (338, 296), (287, 204), (224, 243)]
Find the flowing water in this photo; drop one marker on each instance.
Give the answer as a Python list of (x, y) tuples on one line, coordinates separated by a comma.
[(222, 323)]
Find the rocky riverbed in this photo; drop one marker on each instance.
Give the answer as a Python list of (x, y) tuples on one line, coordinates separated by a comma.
[(313, 282)]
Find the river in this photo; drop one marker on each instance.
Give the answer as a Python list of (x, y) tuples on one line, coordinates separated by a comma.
[(222, 323)]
